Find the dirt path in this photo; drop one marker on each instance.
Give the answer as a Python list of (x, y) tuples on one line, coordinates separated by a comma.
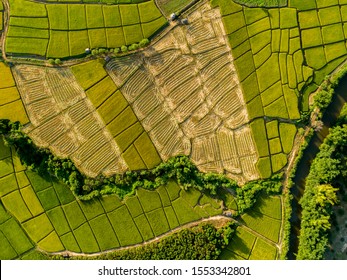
[(6, 18)]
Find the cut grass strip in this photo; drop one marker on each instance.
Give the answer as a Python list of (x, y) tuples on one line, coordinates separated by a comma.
[(86, 239), (104, 233), (58, 219)]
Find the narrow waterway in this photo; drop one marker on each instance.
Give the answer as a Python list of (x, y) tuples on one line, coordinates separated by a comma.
[(303, 168)]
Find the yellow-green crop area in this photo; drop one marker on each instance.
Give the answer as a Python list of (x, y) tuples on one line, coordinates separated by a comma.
[(39, 213), (11, 106), (59, 30), (133, 141), (1, 16)]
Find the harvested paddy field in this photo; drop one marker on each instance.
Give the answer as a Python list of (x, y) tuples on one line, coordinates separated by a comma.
[(184, 89)]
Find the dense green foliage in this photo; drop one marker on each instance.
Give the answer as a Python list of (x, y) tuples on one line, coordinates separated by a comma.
[(203, 242), (328, 167)]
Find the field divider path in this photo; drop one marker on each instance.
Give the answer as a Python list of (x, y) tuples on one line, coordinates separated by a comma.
[(6, 19)]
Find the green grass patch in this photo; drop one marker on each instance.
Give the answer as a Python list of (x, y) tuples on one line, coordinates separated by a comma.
[(184, 211), (144, 227), (37, 182), (123, 121), (150, 200), (269, 206), (18, 166), (148, 11), (38, 227), (173, 190), (58, 46), (4, 216), (271, 94), (29, 22), (91, 208), (77, 17), (97, 38), (74, 214), (272, 129), (133, 159), (58, 219), (31, 200), (308, 19), (27, 9), (70, 242), (6, 167), (112, 16), (124, 227), (48, 198), (6, 250), (89, 73), (250, 87), (242, 243), (260, 41), (311, 37), (5, 151), (134, 206), (86, 239), (255, 108), (79, 41), (288, 18), (17, 31), (63, 192), (254, 14), (171, 217), (245, 65), (268, 227), (278, 162), (129, 14), (264, 79), (287, 134), (158, 221), (233, 22), (264, 167), (16, 236), (292, 103), (110, 202), (191, 196), (147, 151), (132, 34), (277, 108), (315, 57), (263, 250), (51, 243), (127, 137), (302, 5), (275, 146), (95, 18), (15, 204), (148, 29), (329, 15), (112, 107), (335, 50), (58, 16), (34, 46), (104, 233), (98, 93), (164, 197), (115, 37), (259, 135)]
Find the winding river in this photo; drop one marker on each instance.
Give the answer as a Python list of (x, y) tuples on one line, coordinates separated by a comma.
[(303, 168)]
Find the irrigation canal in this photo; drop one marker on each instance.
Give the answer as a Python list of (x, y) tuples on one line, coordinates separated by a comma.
[(329, 118)]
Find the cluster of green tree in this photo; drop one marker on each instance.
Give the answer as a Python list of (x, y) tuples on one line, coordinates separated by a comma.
[(204, 242), (179, 169), (324, 95), (320, 195)]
